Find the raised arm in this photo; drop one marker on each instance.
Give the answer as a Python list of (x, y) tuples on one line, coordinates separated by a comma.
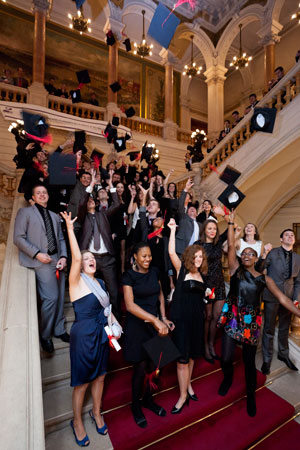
[(172, 247), (232, 259), (166, 181), (74, 276), (283, 299)]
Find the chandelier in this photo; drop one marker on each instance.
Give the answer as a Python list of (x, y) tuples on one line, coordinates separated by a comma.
[(296, 15), (242, 60), (143, 49), (192, 70), (79, 22)]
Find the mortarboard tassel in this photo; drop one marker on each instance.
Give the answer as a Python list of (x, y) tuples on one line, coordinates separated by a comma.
[(46, 139), (213, 168), (150, 376)]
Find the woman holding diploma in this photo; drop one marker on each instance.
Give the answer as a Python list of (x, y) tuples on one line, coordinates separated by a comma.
[(187, 312), (144, 301), (88, 341), (241, 314)]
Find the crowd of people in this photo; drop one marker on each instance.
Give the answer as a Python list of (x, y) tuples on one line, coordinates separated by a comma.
[(121, 225)]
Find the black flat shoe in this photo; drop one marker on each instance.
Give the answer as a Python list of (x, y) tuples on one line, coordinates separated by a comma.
[(47, 345), (138, 416), (178, 410), (154, 407), (251, 405), (215, 356), (209, 360), (265, 368), (65, 337), (288, 362), (193, 397)]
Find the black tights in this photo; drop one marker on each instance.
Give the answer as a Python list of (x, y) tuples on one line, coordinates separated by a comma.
[(140, 369), (249, 352)]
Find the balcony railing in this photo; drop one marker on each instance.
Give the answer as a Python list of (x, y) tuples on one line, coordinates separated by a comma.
[(83, 110), (145, 126), (11, 93)]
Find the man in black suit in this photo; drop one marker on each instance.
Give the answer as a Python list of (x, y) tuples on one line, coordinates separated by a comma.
[(42, 247), (97, 236), (189, 228), (283, 266)]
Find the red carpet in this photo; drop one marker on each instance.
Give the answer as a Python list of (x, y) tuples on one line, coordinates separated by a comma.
[(287, 438)]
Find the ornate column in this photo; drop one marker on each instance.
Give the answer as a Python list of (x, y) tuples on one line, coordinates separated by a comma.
[(115, 24), (185, 121), (269, 37), (215, 77), (197, 179), (170, 128), (37, 91)]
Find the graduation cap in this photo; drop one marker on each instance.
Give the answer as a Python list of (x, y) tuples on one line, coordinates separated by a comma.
[(229, 175), (134, 156), (163, 25), (83, 77), (161, 351), (115, 87), (120, 142), (263, 119), (79, 142), (147, 151), (115, 121), (76, 96), (96, 157), (127, 44), (110, 38), (36, 127), (231, 197), (110, 133), (62, 169), (130, 111)]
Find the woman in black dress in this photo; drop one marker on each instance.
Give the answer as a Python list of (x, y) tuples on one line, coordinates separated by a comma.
[(88, 340), (241, 314), (187, 313), (144, 301), (206, 211), (212, 243)]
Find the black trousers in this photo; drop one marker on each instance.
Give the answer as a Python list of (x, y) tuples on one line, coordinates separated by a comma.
[(249, 352), (106, 270)]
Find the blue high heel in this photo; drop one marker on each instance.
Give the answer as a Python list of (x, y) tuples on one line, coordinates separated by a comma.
[(84, 442), (102, 430)]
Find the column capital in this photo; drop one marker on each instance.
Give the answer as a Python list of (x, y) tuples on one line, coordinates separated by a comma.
[(269, 33), (215, 74), (115, 25), (41, 6), (168, 57)]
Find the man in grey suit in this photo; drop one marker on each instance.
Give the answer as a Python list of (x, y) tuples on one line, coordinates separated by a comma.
[(42, 247), (283, 266), (189, 229)]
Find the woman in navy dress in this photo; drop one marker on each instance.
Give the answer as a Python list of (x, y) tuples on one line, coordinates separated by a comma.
[(88, 340)]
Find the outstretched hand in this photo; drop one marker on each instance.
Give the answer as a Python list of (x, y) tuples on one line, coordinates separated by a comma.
[(172, 224), (68, 219), (189, 184)]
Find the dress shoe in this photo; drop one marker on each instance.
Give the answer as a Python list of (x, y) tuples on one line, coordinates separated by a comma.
[(154, 407), (176, 410), (138, 415), (209, 360), (192, 397), (47, 345), (65, 337), (265, 368), (288, 362)]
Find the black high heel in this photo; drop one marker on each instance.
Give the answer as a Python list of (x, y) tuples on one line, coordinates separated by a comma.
[(178, 410), (192, 396), (209, 360)]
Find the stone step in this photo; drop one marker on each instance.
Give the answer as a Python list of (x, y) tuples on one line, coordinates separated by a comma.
[(287, 387), (55, 369), (64, 439), (278, 368)]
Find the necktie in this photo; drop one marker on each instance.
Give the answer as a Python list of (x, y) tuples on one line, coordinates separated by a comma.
[(287, 265), (96, 234), (49, 232)]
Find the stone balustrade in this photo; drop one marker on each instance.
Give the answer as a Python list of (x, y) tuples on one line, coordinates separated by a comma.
[(145, 126), (83, 110), (11, 93), (184, 136)]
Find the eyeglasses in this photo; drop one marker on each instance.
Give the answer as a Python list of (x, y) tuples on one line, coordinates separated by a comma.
[(248, 254)]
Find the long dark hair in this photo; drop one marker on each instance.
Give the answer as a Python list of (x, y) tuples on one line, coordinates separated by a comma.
[(202, 237), (175, 191), (256, 235)]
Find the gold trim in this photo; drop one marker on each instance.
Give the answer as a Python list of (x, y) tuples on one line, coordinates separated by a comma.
[(118, 370), (274, 431), (200, 420)]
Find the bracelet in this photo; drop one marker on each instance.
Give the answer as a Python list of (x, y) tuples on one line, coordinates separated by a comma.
[(163, 318), (230, 223)]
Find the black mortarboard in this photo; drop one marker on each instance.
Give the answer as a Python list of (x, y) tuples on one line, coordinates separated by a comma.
[(127, 44), (161, 350), (35, 125), (115, 87), (231, 197), (110, 38), (263, 119), (115, 121), (163, 25), (62, 169), (134, 156), (130, 112), (97, 156), (229, 175), (110, 133), (76, 96), (83, 76), (79, 142), (160, 173), (120, 143), (146, 152)]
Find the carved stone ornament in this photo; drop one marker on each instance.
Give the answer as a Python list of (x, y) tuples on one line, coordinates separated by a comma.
[(118, 3)]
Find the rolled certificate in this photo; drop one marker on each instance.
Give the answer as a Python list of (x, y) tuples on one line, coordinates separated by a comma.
[(112, 341)]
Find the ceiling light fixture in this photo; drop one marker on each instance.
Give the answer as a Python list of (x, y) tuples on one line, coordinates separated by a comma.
[(242, 60), (79, 22), (296, 15), (143, 49), (192, 70)]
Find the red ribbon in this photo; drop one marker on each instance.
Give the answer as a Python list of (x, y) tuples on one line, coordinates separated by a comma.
[(213, 168), (211, 295), (97, 161), (150, 376), (110, 338), (46, 140), (226, 211), (57, 274)]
